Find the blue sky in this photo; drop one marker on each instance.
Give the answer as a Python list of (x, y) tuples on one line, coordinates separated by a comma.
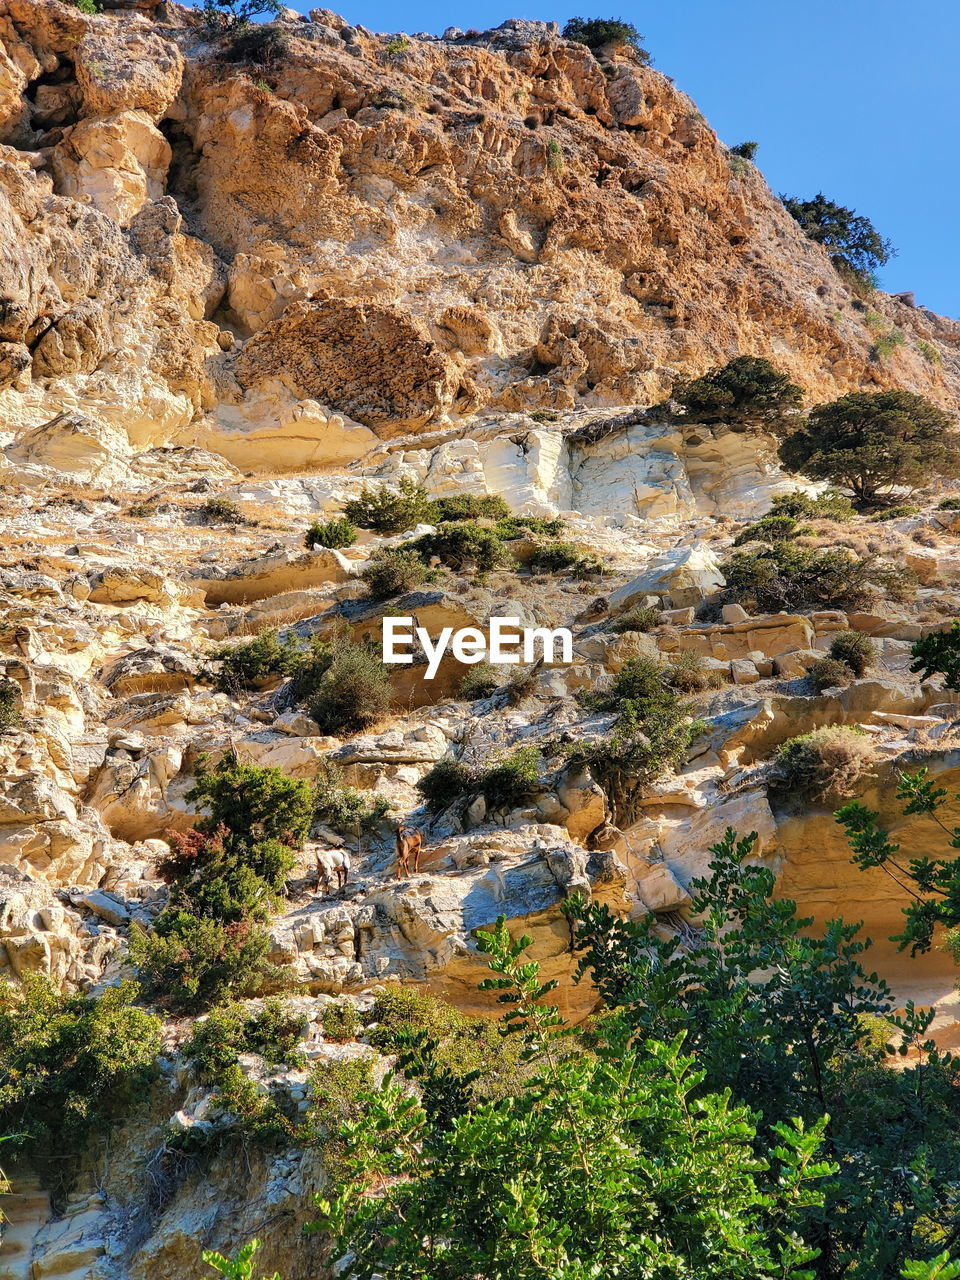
[(858, 98)]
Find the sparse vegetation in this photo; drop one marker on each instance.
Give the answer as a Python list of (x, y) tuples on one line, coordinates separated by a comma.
[(688, 672), (389, 510), (469, 506), (829, 505), (929, 352), (221, 511), (336, 533), (252, 662), (220, 16), (341, 807), (829, 762), (396, 46), (565, 557), (9, 699), (463, 543), (770, 529), (874, 441), (786, 577), (746, 392), (480, 681), (261, 45), (894, 513), (447, 781), (508, 783), (554, 156), (644, 617), (598, 33), (340, 1021), (829, 673), (746, 150)]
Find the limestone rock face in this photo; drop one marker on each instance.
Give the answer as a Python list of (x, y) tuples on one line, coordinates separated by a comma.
[(119, 162), (369, 361), (127, 69)]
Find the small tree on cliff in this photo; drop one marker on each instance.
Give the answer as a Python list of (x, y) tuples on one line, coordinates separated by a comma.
[(851, 239), (220, 16), (598, 33), (748, 392), (871, 441)]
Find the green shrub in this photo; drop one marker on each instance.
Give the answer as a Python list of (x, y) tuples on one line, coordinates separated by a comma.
[(851, 239), (939, 654), (70, 1065), (949, 504), (262, 45), (335, 533), (894, 513), (643, 617), (597, 33), (829, 673), (651, 734), (221, 511), (746, 150), (248, 664), (393, 571), (522, 526), (509, 783), (887, 342), (459, 545), (187, 964), (9, 698), (337, 1087), (340, 1021), (832, 761), (469, 506), (785, 577), (829, 505), (748, 392), (89, 7), (447, 781), (354, 692), (554, 156), (929, 352), (565, 557), (854, 648), (688, 672), (252, 803), (308, 666), (341, 807), (479, 681), (871, 441), (274, 1031), (770, 529), (396, 46), (390, 511)]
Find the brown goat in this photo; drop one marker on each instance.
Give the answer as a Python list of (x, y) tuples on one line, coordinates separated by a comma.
[(409, 844)]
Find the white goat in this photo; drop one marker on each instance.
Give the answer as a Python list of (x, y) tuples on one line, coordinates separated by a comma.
[(332, 864)]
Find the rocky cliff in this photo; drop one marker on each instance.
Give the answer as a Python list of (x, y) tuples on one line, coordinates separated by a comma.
[(473, 262)]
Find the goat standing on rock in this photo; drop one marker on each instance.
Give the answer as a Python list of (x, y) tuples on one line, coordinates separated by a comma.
[(409, 844), (332, 864)]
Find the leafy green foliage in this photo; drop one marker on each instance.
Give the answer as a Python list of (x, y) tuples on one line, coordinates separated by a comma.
[(248, 664), (225, 877), (932, 883), (931, 354), (770, 529), (389, 511), (651, 734), (9, 699), (747, 392), (469, 506), (938, 1268), (335, 533), (613, 1163), (508, 783), (479, 681), (829, 505), (746, 150), (70, 1066), (340, 1020), (949, 504), (783, 1016), (460, 544), (688, 672), (856, 649), (238, 1268), (830, 761), (263, 45), (447, 781), (393, 571), (939, 654), (785, 577), (353, 693), (849, 238), (871, 441), (89, 7), (596, 33), (522, 526), (274, 1031), (894, 513), (565, 557), (341, 807)]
